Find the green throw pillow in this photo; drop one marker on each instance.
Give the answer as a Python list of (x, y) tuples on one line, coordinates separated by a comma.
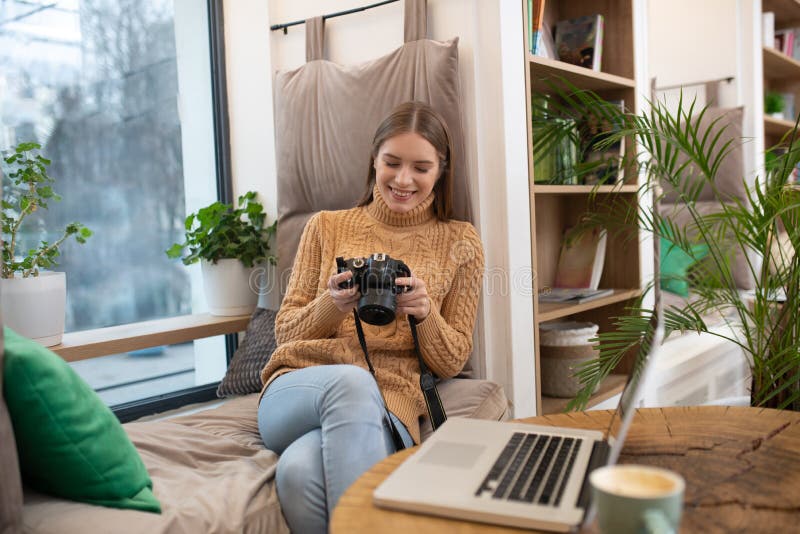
[(70, 443), (675, 265)]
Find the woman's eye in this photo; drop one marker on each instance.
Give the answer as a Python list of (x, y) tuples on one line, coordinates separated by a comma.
[(392, 165), (423, 171)]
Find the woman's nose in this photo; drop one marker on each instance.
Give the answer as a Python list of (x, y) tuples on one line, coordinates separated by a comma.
[(403, 176)]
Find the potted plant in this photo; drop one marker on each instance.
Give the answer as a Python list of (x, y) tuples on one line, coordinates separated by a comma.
[(232, 245), (33, 299), (674, 151), (774, 104)]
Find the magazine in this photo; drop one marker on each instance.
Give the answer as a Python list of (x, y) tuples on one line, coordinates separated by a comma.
[(575, 296)]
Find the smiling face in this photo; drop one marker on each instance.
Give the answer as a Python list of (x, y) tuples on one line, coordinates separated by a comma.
[(406, 169)]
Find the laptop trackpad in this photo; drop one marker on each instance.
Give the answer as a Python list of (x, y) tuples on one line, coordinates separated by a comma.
[(452, 454)]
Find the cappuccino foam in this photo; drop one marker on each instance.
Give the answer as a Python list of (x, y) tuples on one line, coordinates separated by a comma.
[(630, 481)]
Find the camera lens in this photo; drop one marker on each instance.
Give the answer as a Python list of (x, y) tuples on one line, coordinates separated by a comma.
[(377, 306)]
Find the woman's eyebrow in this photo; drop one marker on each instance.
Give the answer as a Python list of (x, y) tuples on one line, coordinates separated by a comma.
[(390, 155)]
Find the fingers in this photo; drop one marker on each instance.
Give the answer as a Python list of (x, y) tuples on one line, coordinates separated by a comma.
[(419, 308), (344, 298), (414, 300), (336, 279)]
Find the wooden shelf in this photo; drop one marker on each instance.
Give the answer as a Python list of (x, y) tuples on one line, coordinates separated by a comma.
[(583, 189), (779, 66), (87, 344), (612, 385), (777, 127), (787, 12), (544, 68), (556, 310)]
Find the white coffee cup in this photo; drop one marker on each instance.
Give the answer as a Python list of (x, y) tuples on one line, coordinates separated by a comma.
[(633, 499)]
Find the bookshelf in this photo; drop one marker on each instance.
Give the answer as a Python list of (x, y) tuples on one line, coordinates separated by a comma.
[(555, 207), (781, 72)]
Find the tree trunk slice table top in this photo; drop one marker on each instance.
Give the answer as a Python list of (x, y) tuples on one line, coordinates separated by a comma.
[(741, 465)]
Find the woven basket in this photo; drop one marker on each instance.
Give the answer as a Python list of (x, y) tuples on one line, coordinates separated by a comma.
[(563, 346)]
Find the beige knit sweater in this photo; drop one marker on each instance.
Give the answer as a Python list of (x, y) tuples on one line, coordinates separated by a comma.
[(311, 330)]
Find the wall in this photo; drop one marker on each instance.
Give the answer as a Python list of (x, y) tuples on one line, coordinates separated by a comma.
[(492, 82), (693, 41)]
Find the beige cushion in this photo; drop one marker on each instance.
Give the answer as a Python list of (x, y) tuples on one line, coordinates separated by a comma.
[(729, 179), (210, 471), (326, 115), (10, 482), (471, 398)]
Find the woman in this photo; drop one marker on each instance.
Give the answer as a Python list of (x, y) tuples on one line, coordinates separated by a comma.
[(321, 410)]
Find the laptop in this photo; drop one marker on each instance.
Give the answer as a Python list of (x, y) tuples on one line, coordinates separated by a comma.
[(517, 474)]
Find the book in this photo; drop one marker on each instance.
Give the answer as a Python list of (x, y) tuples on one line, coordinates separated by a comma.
[(768, 29), (796, 50), (580, 41), (788, 44), (784, 41), (573, 296), (548, 45), (580, 262), (535, 22)]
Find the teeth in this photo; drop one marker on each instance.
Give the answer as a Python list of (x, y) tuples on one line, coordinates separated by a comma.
[(404, 194)]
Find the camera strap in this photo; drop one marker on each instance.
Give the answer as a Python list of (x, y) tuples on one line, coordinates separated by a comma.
[(427, 383), (396, 438)]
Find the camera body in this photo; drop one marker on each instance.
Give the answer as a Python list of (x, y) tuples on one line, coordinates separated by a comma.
[(375, 277)]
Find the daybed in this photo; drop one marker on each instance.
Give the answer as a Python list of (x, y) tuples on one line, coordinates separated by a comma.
[(210, 471)]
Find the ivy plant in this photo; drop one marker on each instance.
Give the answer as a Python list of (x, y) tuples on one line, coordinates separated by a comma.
[(30, 190), (220, 231)]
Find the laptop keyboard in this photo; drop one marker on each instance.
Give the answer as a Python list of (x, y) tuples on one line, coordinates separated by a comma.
[(532, 468)]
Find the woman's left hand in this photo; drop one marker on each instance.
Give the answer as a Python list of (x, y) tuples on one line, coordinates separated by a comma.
[(414, 300)]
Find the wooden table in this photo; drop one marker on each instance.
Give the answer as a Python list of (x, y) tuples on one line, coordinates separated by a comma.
[(741, 465)]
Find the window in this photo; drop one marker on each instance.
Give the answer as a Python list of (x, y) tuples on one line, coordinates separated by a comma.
[(121, 95)]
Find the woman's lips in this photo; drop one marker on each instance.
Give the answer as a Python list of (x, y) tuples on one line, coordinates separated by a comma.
[(401, 196)]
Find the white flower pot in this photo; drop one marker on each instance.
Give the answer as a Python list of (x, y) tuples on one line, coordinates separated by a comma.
[(34, 307), (227, 287)]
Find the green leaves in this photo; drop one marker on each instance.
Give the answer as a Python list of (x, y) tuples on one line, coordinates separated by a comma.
[(30, 190), (676, 148), (219, 231)]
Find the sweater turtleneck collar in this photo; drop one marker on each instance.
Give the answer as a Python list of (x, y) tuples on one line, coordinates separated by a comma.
[(380, 211)]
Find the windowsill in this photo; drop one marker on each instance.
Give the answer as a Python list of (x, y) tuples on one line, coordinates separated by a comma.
[(87, 344)]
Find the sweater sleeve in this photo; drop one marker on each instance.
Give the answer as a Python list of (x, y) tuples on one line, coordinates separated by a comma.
[(445, 336), (303, 314)]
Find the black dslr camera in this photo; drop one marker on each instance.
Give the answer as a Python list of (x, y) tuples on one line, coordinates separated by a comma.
[(375, 277)]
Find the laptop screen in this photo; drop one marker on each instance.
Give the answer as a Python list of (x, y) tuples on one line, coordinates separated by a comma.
[(632, 392)]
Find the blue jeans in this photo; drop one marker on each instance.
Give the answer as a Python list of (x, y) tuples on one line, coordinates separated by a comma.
[(328, 424)]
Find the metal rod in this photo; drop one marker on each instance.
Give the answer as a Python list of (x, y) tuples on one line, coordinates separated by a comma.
[(286, 25), (727, 79)]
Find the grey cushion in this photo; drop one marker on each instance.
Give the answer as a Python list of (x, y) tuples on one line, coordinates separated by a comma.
[(244, 373), (729, 179), (10, 481), (472, 398)]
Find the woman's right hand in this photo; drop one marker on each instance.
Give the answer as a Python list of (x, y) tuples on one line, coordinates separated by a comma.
[(345, 299)]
